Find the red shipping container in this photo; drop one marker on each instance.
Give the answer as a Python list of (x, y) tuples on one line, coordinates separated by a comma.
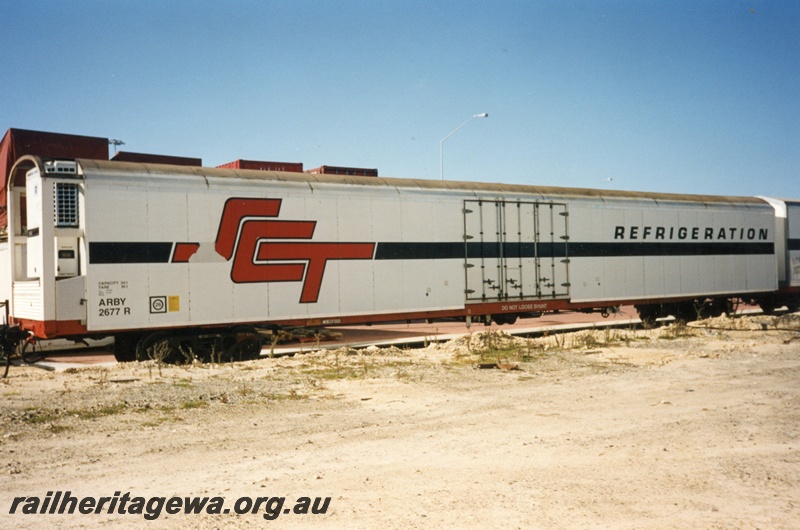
[(19, 142), (264, 165), (146, 158)]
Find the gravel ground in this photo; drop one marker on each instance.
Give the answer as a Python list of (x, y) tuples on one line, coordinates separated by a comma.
[(674, 427)]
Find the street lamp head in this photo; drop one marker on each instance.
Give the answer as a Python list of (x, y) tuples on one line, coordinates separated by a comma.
[(441, 143)]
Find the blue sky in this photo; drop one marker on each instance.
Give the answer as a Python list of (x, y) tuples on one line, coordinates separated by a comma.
[(672, 96)]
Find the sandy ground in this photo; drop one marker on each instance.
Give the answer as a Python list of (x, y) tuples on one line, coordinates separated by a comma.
[(674, 427)]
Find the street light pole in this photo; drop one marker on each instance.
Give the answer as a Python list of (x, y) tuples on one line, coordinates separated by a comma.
[(116, 144), (441, 144)]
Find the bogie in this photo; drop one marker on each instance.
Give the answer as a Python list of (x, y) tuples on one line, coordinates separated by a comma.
[(238, 343)]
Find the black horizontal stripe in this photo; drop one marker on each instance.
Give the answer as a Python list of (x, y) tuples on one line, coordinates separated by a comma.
[(106, 253), (419, 251), (159, 252), (669, 249), (422, 251)]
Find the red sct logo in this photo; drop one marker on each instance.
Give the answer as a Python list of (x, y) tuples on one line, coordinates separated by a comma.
[(265, 249)]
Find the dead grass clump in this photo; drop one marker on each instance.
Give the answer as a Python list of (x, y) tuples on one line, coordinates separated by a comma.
[(676, 330), (788, 322)]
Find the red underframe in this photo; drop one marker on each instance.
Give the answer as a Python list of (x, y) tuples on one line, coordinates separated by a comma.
[(52, 329)]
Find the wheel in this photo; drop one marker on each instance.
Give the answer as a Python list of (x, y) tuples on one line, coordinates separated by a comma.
[(685, 312), (647, 314), (768, 306), (164, 347), (505, 319), (730, 307), (125, 347), (711, 308), (242, 343)]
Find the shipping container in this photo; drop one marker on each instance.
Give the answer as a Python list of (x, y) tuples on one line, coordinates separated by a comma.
[(340, 170), (126, 156), (264, 165), (19, 142)]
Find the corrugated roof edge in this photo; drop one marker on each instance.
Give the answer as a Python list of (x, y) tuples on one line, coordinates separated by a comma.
[(475, 187)]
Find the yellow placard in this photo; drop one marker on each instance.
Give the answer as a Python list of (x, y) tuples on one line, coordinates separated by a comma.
[(173, 303)]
